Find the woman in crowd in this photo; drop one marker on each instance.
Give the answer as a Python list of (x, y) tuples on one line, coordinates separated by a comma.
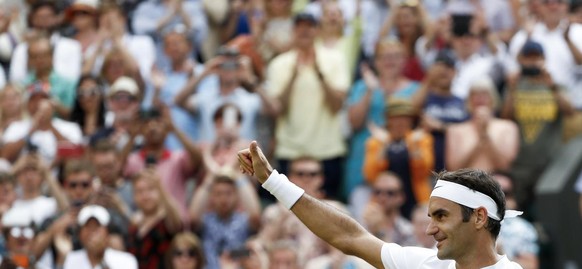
[(186, 252), (89, 108), (10, 106)]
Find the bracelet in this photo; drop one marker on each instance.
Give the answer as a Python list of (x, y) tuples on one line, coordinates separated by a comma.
[(283, 189)]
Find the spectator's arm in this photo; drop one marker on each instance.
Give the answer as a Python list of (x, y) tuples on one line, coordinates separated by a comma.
[(564, 105), (374, 160), (172, 218), (334, 98), (142, 23), (285, 97), (358, 112), (199, 201), (194, 154), (250, 201), (576, 53), (10, 151), (57, 192), (419, 98), (229, 29)]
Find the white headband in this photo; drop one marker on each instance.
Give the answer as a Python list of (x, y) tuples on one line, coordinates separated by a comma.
[(470, 198)]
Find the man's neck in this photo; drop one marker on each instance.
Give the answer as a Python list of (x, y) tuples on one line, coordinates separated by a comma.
[(31, 194), (440, 91), (180, 65), (226, 89), (95, 258), (43, 75), (481, 254), (551, 25)]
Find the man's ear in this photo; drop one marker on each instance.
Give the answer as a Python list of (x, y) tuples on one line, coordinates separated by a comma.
[(481, 217)]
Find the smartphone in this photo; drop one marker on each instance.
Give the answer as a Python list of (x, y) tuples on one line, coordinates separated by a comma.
[(148, 114), (461, 24), (530, 71), (69, 150)]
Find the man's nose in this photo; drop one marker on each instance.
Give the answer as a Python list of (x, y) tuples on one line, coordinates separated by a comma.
[(431, 229)]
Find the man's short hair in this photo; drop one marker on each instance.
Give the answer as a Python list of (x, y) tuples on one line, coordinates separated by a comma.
[(7, 179), (482, 182), (41, 37), (103, 146), (303, 159), (77, 166)]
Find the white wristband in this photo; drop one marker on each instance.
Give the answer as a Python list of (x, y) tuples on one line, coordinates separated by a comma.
[(283, 189)]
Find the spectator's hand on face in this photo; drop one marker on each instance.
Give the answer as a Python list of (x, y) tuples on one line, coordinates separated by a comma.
[(213, 65), (373, 217), (63, 244), (482, 116), (63, 222), (43, 115), (370, 79)]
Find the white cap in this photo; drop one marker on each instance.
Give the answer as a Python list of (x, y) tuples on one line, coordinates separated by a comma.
[(483, 83), (97, 212), (86, 3), (124, 84), (17, 218)]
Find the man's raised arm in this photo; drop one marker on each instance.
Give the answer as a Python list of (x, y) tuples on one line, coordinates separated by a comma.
[(331, 225)]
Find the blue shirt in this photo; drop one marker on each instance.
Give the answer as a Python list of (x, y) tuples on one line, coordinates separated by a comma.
[(219, 235), (355, 158)]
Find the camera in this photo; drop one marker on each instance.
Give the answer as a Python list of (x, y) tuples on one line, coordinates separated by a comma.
[(148, 114), (530, 71)]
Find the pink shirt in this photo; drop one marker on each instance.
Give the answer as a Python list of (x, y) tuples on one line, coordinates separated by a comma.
[(174, 169)]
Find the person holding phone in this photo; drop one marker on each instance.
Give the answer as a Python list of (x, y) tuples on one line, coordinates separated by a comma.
[(537, 104)]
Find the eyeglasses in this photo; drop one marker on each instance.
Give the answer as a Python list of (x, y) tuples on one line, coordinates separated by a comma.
[(83, 12), (82, 184), (305, 173), (180, 253), (25, 232), (390, 193), (123, 98), (95, 91)]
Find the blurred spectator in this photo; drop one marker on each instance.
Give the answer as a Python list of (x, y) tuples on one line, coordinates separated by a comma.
[(135, 52), (11, 106), (273, 27), (84, 17), (332, 35), (437, 104), (89, 108), (12, 27), (153, 18), (105, 158), (237, 21), (382, 214), (278, 223), (366, 103), (61, 89), (41, 132), (186, 252), (283, 255), (18, 230), (518, 239), (420, 222), (43, 18), (123, 104), (578, 189), (7, 198), (203, 100), (155, 223), (537, 104), (336, 259), (403, 150), (93, 233), (484, 142), (216, 14), (407, 22), (251, 256), (309, 85), (215, 215), (575, 12), (498, 14), (117, 63), (168, 82), (175, 168), (59, 233), (561, 41)]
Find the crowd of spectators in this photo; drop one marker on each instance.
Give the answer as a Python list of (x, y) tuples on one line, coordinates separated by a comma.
[(120, 121)]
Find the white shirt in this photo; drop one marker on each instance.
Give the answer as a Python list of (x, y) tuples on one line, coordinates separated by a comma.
[(66, 59), (473, 68), (397, 257), (113, 259), (2, 78), (40, 208), (45, 140), (559, 59)]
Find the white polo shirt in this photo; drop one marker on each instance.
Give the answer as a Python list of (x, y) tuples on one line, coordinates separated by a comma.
[(114, 259), (396, 257)]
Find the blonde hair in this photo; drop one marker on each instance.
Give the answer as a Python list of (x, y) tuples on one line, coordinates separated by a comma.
[(191, 241), (483, 84), (387, 43)]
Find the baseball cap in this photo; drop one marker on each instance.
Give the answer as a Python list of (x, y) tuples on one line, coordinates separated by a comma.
[(17, 218), (399, 107), (532, 48), (124, 84), (446, 57), (90, 6), (96, 212), (305, 17)]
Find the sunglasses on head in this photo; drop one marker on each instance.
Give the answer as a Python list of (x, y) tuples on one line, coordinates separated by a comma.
[(390, 193), (179, 253), (25, 232), (301, 173), (82, 184)]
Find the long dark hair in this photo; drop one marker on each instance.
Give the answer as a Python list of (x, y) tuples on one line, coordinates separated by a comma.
[(78, 114)]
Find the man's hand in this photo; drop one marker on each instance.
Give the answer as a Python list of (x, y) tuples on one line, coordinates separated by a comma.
[(253, 162)]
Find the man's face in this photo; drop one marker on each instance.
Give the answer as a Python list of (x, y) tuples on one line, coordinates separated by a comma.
[(176, 47), (467, 45), (93, 236), (399, 126), (40, 56), (387, 192), (480, 98), (7, 195), (223, 198), (44, 19), (29, 179), (106, 166), (454, 237), (20, 240), (554, 11), (307, 175), (155, 131), (305, 33), (145, 195), (446, 74), (79, 187), (283, 259)]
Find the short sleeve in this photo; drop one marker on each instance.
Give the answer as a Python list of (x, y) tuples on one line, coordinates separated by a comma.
[(397, 257)]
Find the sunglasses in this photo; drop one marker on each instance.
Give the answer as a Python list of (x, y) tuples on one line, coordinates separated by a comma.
[(180, 253), (390, 193), (25, 232), (307, 173), (83, 12), (89, 92), (553, 1), (123, 98), (82, 184)]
